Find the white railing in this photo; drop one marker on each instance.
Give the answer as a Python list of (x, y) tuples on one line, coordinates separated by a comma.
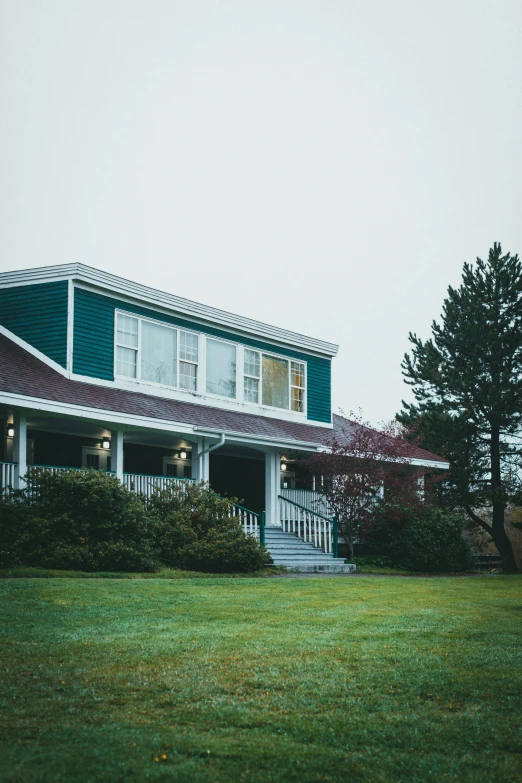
[(146, 485), (309, 499), (7, 470), (309, 525), (250, 521)]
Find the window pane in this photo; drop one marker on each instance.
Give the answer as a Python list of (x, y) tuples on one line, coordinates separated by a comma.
[(127, 331), (275, 382), (158, 353), (93, 461), (221, 368), (297, 400), (188, 346), (187, 376), (298, 375), (126, 362), (251, 363), (251, 390)]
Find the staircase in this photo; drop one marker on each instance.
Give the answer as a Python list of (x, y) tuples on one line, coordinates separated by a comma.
[(286, 549)]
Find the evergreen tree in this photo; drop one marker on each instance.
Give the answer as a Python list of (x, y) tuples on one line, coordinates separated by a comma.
[(467, 382)]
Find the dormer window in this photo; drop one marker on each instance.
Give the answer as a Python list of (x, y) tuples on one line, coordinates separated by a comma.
[(221, 368), (281, 382), (155, 352)]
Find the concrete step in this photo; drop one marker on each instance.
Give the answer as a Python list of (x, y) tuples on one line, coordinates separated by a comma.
[(287, 549)]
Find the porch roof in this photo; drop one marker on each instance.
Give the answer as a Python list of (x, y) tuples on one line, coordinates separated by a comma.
[(25, 375)]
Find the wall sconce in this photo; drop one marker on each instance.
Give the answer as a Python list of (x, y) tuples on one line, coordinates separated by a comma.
[(106, 444), (183, 454), (10, 432), (283, 466)]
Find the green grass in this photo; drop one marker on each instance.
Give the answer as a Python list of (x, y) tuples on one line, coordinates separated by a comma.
[(257, 680)]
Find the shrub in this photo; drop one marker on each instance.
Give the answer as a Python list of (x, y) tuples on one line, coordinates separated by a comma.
[(429, 540), (194, 529), (82, 520)]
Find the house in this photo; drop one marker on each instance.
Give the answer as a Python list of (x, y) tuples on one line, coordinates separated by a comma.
[(100, 372)]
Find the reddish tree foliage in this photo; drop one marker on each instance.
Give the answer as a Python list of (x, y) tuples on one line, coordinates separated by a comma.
[(362, 465)]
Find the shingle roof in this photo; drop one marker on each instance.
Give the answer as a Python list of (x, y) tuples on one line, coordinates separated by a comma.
[(24, 374)]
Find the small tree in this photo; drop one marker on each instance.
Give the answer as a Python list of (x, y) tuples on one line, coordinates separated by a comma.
[(360, 466), (467, 382)]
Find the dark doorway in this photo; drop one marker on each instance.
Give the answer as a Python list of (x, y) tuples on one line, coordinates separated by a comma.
[(240, 477)]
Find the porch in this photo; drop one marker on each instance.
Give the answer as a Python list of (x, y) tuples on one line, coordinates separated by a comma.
[(146, 460)]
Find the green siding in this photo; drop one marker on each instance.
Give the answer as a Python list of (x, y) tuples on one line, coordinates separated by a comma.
[(38, 314), (93, 352)]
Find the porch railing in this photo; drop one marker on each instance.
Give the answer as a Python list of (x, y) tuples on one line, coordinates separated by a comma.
[(312, 527), (143, 484), (253, 524), (309, 499), (7, 470)]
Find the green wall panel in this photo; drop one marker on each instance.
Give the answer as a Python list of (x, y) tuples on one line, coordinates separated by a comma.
[(38, 314), (93, 351)]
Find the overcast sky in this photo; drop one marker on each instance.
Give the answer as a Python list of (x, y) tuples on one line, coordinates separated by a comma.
[(323, 165)]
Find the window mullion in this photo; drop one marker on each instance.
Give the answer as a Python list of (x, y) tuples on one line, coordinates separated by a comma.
[(138, 353), (240, 373)]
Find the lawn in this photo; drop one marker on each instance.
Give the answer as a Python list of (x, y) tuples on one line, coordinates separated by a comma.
[(228, 680)]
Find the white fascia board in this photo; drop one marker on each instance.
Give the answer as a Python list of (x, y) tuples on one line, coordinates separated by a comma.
[(261, 440), (81, 412), (418, 463), (159, 299), (131, 420), (34, 352), (429, 463)]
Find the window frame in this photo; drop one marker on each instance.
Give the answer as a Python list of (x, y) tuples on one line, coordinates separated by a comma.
[(138, 349), (201, 369), (288, 360), (236, 348)]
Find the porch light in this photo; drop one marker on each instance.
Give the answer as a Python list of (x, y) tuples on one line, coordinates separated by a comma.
[(10, 432), (183, 454), (106, 444), (283, 466)]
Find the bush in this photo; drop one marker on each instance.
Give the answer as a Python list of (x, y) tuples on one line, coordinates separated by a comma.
[(429, 540), (87, 520), (83, 520), (194, 529)]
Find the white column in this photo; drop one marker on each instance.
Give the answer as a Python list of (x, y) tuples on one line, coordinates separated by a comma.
[(201, 463), (272, 487), (20, 448), (117, 453)]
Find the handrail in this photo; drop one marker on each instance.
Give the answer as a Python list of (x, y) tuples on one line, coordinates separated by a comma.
[(248, 510), (310, 525), (304, 508), (158, 475)]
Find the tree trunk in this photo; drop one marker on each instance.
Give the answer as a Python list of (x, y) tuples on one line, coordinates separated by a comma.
[(498, 530), (349, 541)]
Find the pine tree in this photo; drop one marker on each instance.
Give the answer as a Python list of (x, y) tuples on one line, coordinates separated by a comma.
[(467, 382)]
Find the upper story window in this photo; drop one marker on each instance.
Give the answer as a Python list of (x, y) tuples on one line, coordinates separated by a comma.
[(150, 351), (221, 368), (274, 381)]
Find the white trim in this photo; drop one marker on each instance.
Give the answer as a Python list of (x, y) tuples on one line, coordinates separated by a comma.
[(136, 291), (70, 324), (105, 417), (427, 463), (34, 352)]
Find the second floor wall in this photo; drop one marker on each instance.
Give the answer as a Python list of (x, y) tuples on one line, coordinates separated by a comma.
[(119, 341)]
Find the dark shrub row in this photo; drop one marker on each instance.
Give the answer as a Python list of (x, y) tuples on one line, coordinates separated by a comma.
[(428, 539), (87, 520)]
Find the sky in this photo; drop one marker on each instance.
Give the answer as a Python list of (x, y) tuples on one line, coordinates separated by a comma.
[(323, 165)]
